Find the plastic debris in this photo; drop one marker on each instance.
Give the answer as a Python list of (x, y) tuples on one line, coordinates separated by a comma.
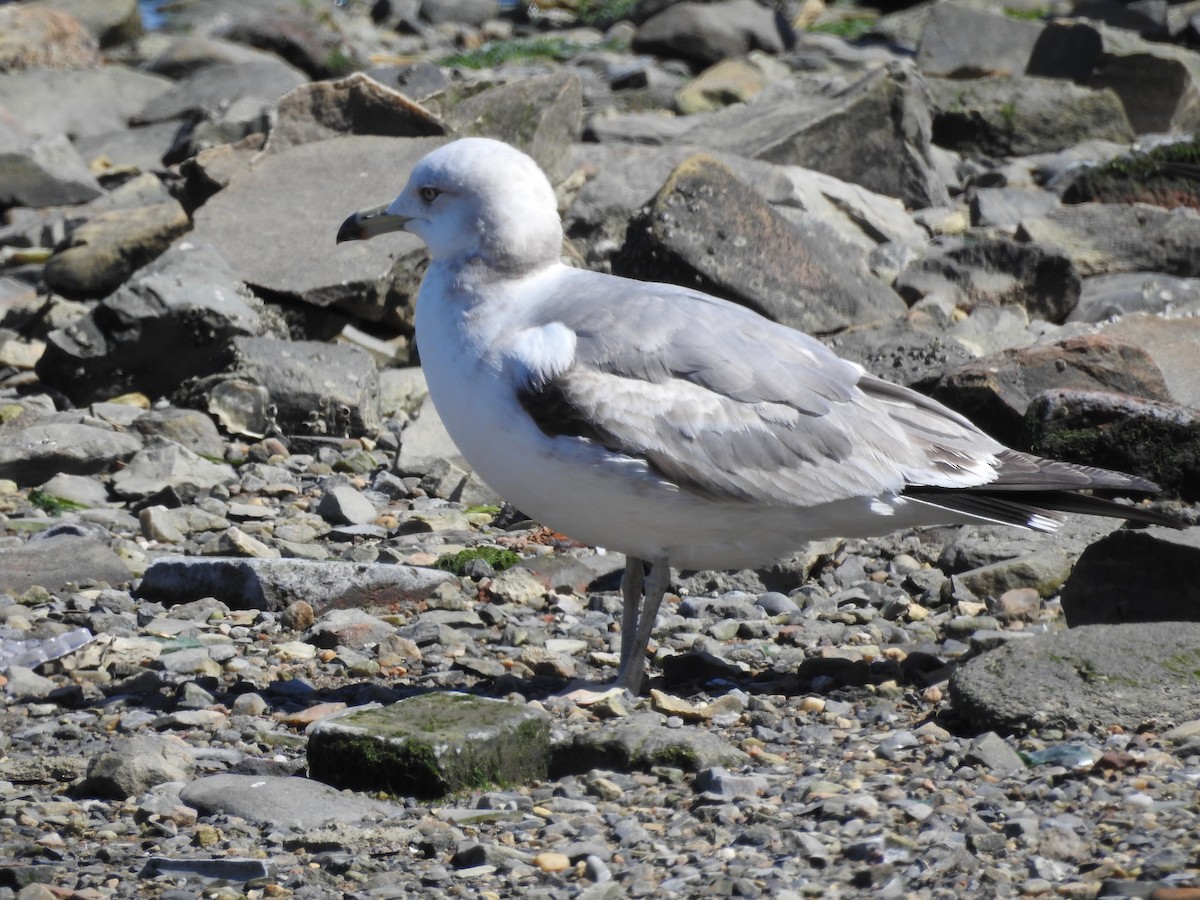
[(33, 652)]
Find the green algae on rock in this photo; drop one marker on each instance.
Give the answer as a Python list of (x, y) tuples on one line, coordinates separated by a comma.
[(431, 745)]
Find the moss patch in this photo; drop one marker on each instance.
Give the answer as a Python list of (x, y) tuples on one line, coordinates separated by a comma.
[(1163, 175), (1184, 665), (53, 505), (496, 557)]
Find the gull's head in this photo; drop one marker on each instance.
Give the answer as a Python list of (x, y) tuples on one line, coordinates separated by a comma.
[(474, 198)]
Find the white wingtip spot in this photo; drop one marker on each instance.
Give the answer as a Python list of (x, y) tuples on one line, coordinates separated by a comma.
[(881, 507), (1040, 522)]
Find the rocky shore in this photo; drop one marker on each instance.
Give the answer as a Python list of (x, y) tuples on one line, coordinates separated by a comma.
[(264, 634)]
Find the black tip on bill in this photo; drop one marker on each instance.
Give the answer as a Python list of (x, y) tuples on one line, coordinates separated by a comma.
[(351, 230)]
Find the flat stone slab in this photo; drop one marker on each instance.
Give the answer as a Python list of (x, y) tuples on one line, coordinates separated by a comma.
[(431, 745), (58, 561), (283, 802), (642, 742), (273, 584), (1091, 676), (306, 191)]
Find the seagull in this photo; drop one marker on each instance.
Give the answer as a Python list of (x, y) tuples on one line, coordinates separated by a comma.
[(677, 428)]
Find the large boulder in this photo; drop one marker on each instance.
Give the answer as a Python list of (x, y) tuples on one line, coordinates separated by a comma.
[(704, 33), (709, 230), (188, 300), (277, 220), (875, 132)]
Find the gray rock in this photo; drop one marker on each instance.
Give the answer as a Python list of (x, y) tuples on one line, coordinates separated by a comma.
[(887, 110), (1103, 238), (720, 783), (24, 684), (995, 391), (281, 802), (641, 742), (978, 546), (164, 525), (729, 81), (49, 173), (274, 584), (188, 299), (862, 217), (95, 101), (992, 329), (111, 22), (58, 561), (314, 387), (82, 489), (247, 117), (34, 37), (624, 179), (141, 148), (967, 42), (416, 80), (1158, 83), (992, 752), (99, 255), (356, 104), (351, 628), (431, 745), (539, 115), (297, 34), (1006, 208), (169, 466), (305, 192), (211, 91), (47, 769), (650, 128), (1159, 441), (901, 352), (177, 56), (1136, 576), (727, 606), (1044, 571), (189, 428), (996, 272), (1171, 344), (442, 478), (774, 603), (225, 868), (703, 33), (463, 12), (136, 764), (1107, 296), (345, 505), (1095, 676), (1021, 116), (32, 455), (708, 229)]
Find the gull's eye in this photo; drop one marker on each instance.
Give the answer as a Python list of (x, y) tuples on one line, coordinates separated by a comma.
[(429, 194)]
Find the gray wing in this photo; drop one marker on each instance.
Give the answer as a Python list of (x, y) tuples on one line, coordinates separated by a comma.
[(730, 405)]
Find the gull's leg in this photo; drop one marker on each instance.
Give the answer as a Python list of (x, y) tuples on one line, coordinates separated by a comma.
[(633, 664), (631, 593)]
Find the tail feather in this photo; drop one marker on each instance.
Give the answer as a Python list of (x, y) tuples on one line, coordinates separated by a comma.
[(1040, 510), (1035, 493)]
